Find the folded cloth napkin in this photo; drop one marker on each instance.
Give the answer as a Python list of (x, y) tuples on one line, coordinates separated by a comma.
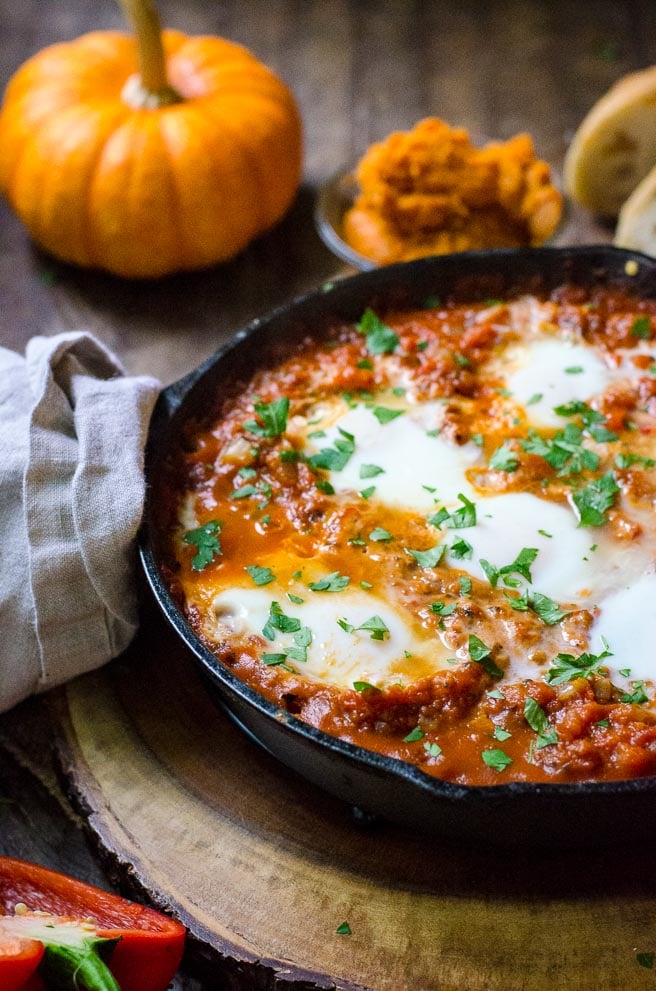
[(72, 436)]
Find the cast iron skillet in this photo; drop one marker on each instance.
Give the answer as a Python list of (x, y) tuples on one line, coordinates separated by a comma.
[(512, 814)]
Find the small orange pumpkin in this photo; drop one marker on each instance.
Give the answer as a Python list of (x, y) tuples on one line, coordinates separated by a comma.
[(144, 159)]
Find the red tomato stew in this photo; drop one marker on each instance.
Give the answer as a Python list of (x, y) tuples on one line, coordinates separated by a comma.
[(433, 536)]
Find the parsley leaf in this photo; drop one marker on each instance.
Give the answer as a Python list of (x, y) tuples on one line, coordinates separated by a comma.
[(205, 539), (334, 582), (465, 585), (381, 339), (343, 929), (429, 558), (498, 760), (374, 625), (414, 735), (641, 328), (380, 534), (363, 686), (504, 459), (637, 696), (595, 499), (432, 749), (536, 717), (337, 457), (273, 416), (627, 460), (261, 576), (370, 471), (459, 519), (384, 414), (461, 549), (568, 668), (442, 610), (548, 610), (480, 653), (501, 734)]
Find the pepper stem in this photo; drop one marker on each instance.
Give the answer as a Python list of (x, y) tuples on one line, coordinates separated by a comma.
[(150, 88)]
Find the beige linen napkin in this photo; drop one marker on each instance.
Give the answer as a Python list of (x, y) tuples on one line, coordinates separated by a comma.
[(72, 435)]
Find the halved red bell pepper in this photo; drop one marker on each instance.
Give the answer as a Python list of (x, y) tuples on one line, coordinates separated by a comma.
[(80, 924)]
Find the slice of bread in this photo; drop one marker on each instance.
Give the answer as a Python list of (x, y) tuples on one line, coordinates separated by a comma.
[(615, 146), (636, 227)]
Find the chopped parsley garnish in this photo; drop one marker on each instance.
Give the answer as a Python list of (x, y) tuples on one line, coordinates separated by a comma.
[(370, 471), (442, 610), (637, 696), (261, 576), (296, 599), (290, 455), (337, 457), (271, 660), (477, 439), (593, 501), (501, 734), (646, 960), (535, 398), (545, 534), (205, 538), (461, 359), (366, 364), (459, 519), (384, 414), (564, 452), (498, 760), (247, 473), (379, 533), (273, 416), (279, 621), (316, 434), (480, 653), (641, 328), (574, 370), (429, 558), (422, 345), (536, 717), (374, 625), (334, 582), (343, 929), (520, 566), (368, 492), (365, 585), (358, 540), (548, 610), (431, 302), (461, 549), (364, 686), (414, 736), (566, 667), (325, 486), (465, 585), (381, 339), (504, 459), (627, 460), (432, 749), (505, 393)]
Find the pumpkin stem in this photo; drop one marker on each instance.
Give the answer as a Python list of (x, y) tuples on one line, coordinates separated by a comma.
[(150, 89)]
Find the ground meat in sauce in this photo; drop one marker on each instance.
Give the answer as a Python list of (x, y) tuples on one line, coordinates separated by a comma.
[(264, 491)]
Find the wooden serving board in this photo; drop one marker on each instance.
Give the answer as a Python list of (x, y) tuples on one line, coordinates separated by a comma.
[(263, 868)]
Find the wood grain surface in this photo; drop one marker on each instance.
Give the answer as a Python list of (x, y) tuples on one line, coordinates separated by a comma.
[(359, 69), (263, 868)]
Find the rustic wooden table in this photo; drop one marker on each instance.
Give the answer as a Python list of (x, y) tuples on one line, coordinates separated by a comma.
[(359, 69)]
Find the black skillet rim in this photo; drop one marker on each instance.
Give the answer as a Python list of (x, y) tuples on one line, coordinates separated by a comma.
[(170, 402)]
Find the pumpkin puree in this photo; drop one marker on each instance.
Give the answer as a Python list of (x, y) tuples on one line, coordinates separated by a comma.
[(431, 191)]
